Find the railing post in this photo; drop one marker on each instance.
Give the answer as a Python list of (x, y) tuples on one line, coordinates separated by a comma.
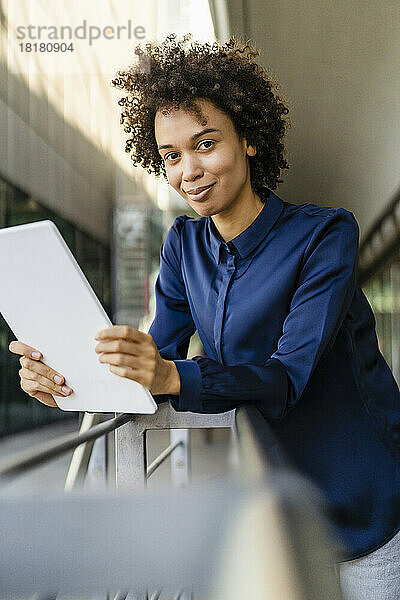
[(96, 476), (130, 456), (80, 460), (180, 458), (110, 460), (130, 469)]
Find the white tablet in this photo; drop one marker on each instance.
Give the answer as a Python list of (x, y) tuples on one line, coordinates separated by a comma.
[(49, 304)]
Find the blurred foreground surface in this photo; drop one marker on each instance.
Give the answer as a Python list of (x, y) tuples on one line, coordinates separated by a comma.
[(209, 456)]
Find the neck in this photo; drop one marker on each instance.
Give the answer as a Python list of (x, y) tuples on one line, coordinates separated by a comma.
[(235, 219)]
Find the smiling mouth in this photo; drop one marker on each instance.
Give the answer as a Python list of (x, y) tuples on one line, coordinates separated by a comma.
[(201, 194)]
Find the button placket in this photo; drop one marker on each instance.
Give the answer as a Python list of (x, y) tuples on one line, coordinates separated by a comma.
[(228, 264)]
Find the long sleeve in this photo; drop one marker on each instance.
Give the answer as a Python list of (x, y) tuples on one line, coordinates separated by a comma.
[(322, 296), (325, 290)]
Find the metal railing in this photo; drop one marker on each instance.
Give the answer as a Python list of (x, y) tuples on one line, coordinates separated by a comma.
[(265, 497)]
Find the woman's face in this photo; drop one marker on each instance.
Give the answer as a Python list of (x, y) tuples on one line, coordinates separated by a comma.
[(198, 155)]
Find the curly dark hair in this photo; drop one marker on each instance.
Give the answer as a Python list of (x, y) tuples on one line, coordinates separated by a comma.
[(169, 76)]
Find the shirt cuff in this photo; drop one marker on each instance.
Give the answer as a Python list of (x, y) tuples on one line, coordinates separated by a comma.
[(189, 397), (160, 398)]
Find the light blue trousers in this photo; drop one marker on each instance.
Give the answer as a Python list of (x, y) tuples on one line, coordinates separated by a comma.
[(375, 576)]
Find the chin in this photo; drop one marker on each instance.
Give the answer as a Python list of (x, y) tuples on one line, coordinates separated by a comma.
[(204, 211)]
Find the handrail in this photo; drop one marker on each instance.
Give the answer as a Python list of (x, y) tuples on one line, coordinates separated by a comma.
[(130, 441), (258, 439), (161, 457), (275, 509), (50, 450), (312, 544), (164, 418), (46, 452)]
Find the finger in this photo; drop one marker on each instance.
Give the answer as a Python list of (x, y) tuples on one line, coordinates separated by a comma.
[(120, 345), (40, 379), (42, 369), (17, 347), (137, 375), (122, 331), (127, 360), (32, 387)]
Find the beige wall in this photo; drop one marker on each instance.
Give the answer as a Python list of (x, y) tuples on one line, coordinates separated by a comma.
[(338, 63)]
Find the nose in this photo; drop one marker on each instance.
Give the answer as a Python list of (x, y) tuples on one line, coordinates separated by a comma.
[(191, 168)]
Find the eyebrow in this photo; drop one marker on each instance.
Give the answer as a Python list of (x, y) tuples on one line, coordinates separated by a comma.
[(194, 136)]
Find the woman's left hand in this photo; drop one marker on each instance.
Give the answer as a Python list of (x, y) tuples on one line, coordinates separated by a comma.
[(133, 354)]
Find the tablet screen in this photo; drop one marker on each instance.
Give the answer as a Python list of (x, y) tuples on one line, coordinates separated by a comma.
[(49, 304)]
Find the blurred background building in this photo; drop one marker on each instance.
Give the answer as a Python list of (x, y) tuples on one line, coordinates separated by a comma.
[(62, 147)]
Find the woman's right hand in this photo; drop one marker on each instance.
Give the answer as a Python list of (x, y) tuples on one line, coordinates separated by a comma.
[(37, 379)]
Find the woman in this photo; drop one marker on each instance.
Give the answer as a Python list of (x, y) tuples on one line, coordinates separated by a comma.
[(270, 287)]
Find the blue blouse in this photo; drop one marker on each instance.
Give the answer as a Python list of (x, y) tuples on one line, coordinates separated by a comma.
[(285, 326)]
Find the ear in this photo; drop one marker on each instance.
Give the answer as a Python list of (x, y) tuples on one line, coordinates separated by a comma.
[(250, 150)]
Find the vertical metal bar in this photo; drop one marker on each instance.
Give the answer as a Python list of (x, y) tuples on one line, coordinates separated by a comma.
[(96, 476), (180, 458), (130, 468), (110, 459), (81, 455), (130, 456)]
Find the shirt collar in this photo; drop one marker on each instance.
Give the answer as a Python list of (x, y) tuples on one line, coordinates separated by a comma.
[(251, 237)]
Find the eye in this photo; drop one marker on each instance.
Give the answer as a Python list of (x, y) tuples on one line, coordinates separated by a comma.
[(167, 156), (206, 142)]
